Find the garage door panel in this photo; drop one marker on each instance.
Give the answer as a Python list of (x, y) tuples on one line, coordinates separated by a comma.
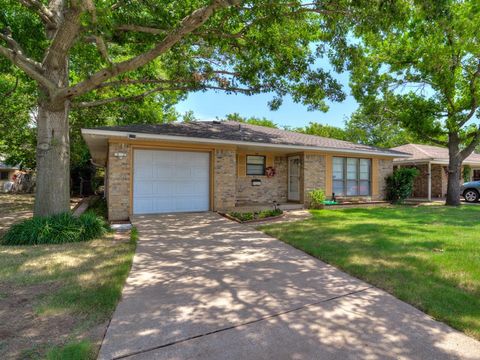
[(170, 181), (143, 188)]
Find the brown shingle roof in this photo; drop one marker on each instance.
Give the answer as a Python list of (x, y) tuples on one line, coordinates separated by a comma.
[(428, 152), (235, 131)]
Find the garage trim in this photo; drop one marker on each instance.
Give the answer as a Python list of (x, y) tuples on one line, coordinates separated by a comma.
[(168, 147)]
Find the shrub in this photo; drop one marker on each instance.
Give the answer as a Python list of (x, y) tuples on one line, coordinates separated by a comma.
[(317, 198), (400, 184), (269, 213), (467, 173), (56, 229), (246, 216)]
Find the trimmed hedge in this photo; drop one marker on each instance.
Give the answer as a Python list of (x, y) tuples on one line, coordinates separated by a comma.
[(57, 229)]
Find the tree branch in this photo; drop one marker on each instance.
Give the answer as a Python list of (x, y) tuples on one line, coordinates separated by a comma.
[(47, 16), (29, 66), (470, 147), (139, 28), (64, 37), (188, 24), (473, 94), (140, 96)]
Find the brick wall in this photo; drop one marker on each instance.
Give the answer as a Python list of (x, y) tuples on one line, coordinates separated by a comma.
[(439, 181), (313, 173), (225, 179), (385, 168), (118, 184), (274, 188)]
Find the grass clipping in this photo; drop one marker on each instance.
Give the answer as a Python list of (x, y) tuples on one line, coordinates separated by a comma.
[(56, 229)]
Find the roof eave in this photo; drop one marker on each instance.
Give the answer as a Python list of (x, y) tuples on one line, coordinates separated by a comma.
[(138, 135)]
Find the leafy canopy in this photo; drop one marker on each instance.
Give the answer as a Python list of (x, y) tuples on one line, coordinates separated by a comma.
[(424, 68)]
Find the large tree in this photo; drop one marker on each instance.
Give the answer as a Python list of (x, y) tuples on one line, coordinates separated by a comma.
[(373, 126), (424, 68), (77, 51)]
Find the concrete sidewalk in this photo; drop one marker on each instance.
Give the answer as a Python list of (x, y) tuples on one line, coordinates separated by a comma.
[(203, 287)]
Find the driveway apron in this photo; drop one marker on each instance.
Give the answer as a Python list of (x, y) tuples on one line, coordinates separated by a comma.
[(203, 287)]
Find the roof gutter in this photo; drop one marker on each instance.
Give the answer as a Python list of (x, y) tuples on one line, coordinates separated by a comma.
[(433, 161), (110, 133)]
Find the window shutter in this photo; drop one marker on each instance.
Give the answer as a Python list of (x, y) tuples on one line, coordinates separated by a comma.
[(241, 165)]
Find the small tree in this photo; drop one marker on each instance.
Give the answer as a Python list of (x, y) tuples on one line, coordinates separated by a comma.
[(400, 184)]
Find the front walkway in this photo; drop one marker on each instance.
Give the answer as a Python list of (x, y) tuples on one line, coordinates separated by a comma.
[(203, 287)]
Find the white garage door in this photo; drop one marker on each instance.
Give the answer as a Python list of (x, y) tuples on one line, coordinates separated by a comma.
[(170, 181)]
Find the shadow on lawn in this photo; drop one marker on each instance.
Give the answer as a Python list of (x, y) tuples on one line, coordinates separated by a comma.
[(388, 248), (51, 294), (196, 274)]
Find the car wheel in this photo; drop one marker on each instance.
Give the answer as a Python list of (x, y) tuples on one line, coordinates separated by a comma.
[(471, 196)]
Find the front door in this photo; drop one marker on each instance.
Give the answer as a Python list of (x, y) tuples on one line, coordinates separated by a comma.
[(294, 178)]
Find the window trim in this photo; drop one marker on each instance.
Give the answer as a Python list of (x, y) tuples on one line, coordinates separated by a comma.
[(264, 165), (358, 180)]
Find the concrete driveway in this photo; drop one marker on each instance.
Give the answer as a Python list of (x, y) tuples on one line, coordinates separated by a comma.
[(203, 287)]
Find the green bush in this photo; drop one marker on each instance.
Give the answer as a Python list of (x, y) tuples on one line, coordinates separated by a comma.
[(400, 184), (269, 213), (467, 173), (317, 198), (246, 216), (57, 229)]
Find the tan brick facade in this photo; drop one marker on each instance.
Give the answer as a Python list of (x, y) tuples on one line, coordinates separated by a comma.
[(224, 184), (385, 168), (274, 188), (229, 188), (118, 182), (313, 174)]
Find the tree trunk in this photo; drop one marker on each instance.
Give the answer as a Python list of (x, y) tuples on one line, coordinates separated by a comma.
[(53, 159), (454, 171)]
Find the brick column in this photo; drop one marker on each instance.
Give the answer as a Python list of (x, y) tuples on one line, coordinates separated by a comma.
[(314, 175), (225, 173), (118, 188)]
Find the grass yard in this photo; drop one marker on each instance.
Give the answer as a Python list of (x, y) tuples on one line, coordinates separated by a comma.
[(56, 300), (428, 256)]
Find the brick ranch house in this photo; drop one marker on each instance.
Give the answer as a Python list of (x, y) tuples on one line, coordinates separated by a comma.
[(218, 166), (432, 162)]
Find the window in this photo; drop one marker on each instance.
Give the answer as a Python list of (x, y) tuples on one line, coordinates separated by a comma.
[(255, 165), (3, 175), (351, 176)]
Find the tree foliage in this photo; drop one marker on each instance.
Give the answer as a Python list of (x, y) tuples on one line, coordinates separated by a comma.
[(253, 120), (423, 65), (83, 53), (370, 126), (329, 131)]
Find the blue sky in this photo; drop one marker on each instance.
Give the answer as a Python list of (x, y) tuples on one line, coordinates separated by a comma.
[(210, 104)]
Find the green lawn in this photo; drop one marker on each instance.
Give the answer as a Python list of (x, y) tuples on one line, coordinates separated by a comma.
[(428, 256), (56, 300)]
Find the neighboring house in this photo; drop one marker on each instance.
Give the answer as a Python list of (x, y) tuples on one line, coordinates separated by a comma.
[(432, 162), (200, 166), (6, 174)]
